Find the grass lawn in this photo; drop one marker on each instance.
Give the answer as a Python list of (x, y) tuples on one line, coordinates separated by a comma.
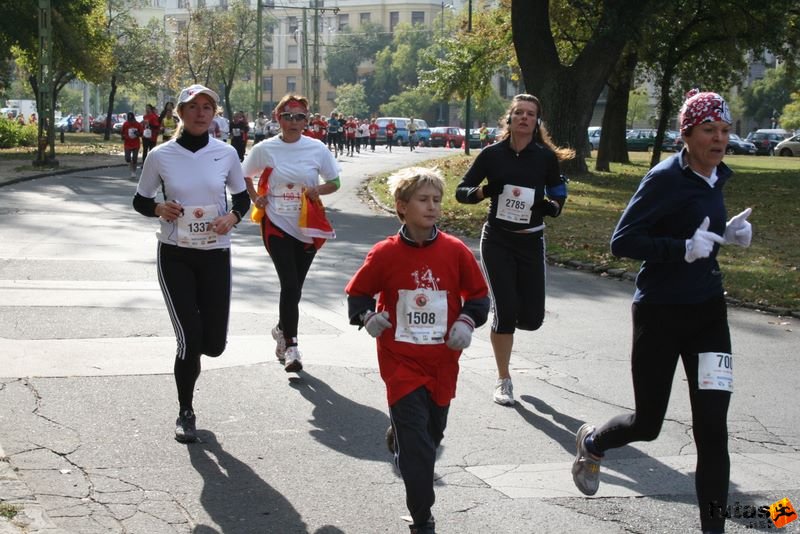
[(765, 274), (74, 144)]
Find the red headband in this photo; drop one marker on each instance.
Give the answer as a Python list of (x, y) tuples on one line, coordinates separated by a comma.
[(703, 107)]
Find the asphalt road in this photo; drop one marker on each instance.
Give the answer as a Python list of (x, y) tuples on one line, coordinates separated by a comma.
[(87, 398)]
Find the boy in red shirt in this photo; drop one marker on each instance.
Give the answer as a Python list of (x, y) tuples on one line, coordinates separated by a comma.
[(431, 296), (131, 132)]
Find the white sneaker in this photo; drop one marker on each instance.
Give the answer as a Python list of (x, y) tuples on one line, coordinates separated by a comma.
[(504, 392), (280, 343), (586, 466), (133, 174), (293, 357)]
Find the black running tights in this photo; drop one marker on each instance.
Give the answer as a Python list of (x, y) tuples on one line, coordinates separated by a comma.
[(661, 334), (196, 285), (292, 259)]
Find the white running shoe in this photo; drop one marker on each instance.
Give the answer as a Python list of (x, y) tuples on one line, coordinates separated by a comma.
[(504, 392), (280, 343), (293, 360), (586, 467)]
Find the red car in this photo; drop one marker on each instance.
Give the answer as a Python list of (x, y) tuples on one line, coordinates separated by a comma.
[(446, 136)]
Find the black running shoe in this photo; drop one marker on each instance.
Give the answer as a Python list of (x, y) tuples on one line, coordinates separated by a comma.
[(185, 429), (428, 528)]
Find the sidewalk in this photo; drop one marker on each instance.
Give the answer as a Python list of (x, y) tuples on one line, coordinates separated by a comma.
[(14, 170), (30, 516)]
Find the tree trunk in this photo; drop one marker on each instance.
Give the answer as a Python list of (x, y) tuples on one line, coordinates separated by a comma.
[(664, 112), (569, 92), (613, 147), (111, 95)]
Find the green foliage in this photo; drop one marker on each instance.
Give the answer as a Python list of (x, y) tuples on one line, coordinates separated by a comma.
[(70, 100), (790, 118), (140, 53), (347, 52), (770, 94), (639, 108), (411, 103), (351, 100), (465, 62), (13, 135), (214, 46), (9, 511), (397, 65), (491, 110), (242, 97)]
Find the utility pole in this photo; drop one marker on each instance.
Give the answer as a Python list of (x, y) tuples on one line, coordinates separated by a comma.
[(259, 58), (307, 87), (47, 116), (469, 92), (315, 86)]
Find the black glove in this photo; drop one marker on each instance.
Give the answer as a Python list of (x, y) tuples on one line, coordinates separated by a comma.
[(492, 188), (551, 208)]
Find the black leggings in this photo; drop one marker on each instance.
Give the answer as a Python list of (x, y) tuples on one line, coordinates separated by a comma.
[(292, 259), (196, 285), (661, 334), (515, 270), (147, 146), (419, 425)]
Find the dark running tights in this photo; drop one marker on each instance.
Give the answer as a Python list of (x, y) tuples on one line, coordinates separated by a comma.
[(662, 334), (292, 259), (196, 285)]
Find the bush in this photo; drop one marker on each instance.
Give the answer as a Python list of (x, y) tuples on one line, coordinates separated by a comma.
[(13, 134)]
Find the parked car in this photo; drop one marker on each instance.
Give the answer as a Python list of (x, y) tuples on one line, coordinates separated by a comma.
[(672, 141), (401, 135), (446, 136), (99, 124), (116, 128), (789, 147), (594, 136), (644, 139), (61, 124), (737, 145), (475, 136), (767, 139)]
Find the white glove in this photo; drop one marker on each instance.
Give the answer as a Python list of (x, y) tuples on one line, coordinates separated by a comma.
[(460, 335), (375, 323), (702, 242), (738, 231)]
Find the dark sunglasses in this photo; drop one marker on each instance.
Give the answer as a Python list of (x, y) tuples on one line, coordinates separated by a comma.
[(293, 116)]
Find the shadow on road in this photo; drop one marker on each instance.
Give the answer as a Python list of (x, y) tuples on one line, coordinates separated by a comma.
[(343, 424), (235, 497)]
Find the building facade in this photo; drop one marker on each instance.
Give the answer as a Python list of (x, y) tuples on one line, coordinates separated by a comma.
[(294, 47)]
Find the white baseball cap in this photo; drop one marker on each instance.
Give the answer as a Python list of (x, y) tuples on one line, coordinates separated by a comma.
[(188, 94)]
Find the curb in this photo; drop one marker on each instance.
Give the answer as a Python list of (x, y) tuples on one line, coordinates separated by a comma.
[(30, 517), (54, 172), (621, 274)]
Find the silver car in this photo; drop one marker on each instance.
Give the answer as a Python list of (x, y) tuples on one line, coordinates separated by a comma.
[(789, 147)]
